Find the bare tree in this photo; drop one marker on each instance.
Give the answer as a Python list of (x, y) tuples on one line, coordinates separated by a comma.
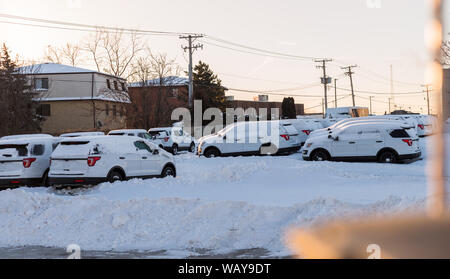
[(151, 73), (68, 54), (114, 52)]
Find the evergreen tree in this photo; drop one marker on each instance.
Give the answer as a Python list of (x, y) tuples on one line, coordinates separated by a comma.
[(17, 108), (208, 87), (288, 110)]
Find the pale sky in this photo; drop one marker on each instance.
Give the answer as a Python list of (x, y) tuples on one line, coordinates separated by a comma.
[(373, 34)]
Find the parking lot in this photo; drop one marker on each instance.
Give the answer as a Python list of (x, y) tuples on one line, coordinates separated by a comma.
[(214, 206)]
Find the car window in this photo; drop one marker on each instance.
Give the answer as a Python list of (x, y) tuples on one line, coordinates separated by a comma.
[(399, 133), (38, 149), (20, 150), (140, 145), (55, 145), (131, 134), (116, 134)]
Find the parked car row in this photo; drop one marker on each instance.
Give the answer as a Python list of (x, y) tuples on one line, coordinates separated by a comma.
[(93, 157), (80, 159)]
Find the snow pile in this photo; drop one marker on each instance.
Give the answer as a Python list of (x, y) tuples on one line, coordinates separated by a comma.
[(46, 219), (217, 205)]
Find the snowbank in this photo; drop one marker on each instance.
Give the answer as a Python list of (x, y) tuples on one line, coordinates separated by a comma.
[(217, 205), (46, 219)]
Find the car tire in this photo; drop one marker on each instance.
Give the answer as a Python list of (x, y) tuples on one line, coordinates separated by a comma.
[(387, 157), (320, 155), (270, 149), (211, 153), (192, 148), (168, 171), (115, 176), (174, 149), (45, 181)]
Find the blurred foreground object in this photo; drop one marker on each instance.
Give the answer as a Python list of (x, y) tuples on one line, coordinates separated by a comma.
[(396, 237)]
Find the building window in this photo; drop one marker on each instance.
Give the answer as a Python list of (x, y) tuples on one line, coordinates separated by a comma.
[(43, 110), (124, 88), (175, 92), (116, 86), (41, 84), (107, 109), (114, 111), (108, 84)]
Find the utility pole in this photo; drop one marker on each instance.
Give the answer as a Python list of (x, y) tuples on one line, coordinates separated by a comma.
[(325, 79), (427, 90), (370, 104), (323, 108), (350, 73), (389, 99), (191, 48), (335, 93), (392, 87)]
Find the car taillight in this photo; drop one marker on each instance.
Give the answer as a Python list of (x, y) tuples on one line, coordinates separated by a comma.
[(27, 162), (408, 141), (92, 160), (421, 126), (307, 132), (166, 139), (286, 137)]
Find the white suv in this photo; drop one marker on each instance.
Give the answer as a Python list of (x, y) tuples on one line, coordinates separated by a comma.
[(174, 139), (251, 138), (25, 159), (92, 160), (386, 142), (141, 133)]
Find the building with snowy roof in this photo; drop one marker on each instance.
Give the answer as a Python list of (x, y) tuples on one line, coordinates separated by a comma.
[(74, 99)]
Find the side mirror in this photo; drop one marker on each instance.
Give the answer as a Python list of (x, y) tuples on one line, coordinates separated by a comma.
[(155, 152), (336, 139), (225, 137)]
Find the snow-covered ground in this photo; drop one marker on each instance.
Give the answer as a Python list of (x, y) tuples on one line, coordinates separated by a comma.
[(214, 205)]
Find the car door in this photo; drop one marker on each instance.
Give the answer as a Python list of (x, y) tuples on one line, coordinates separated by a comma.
[(149, 162), (344, 144), (370, 141), (130, 159)]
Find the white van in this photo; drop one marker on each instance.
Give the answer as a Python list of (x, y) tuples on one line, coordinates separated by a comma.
[(386, 142), (92, 160), (251, 138), (174, 139), (25, 159)]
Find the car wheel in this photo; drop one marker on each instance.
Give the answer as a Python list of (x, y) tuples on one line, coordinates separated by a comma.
[(45, 182), (192, 148), (320, 155), (175, 149), (270, 149), (387, 157), (168, 171), (211, 153), (115, 176)]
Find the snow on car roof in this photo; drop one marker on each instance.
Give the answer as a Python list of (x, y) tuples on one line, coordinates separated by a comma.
[(25, 136), (128, 131), (79, 134)]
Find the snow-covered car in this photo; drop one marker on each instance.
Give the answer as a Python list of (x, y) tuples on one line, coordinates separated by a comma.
[(251, 138), (81, 134), (25, 159), (141, 133), (303, 127), (425, 124), (93, 160), (386, 142), (174, 139), (350, 121)]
